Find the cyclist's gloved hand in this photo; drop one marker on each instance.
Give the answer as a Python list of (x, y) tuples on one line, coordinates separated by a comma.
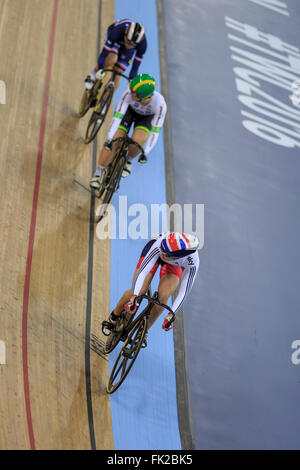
[(168, 323), (108, 145), (100, 74), (131, 306)]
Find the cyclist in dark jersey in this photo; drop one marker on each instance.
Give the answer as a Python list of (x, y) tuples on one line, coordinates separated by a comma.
[(123, 39)]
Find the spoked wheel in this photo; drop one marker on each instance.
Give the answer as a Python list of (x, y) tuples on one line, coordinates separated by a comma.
[(127, 355), (99, 114), (106, 193)]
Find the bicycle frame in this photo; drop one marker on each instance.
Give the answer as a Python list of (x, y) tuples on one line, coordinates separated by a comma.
[(152, 300), (128, 141), (100, 89), (100, 96)]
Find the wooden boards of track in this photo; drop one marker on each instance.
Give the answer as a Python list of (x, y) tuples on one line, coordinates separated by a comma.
[(45, 329)]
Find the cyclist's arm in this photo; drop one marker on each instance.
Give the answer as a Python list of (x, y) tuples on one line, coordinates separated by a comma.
[(119, 114), (140, 51), (146, 266), (157, 123), (187, 281)]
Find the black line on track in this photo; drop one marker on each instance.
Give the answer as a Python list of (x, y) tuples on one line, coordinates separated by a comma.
[(90, 282)]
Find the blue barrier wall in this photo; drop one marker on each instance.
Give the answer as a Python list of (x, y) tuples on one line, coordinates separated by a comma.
[(144, 410), (236, 150)]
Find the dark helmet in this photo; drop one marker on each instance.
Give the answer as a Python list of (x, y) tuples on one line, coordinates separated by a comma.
[(134, 33)]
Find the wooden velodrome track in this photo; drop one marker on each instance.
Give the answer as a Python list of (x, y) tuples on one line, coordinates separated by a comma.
[(47, 49)]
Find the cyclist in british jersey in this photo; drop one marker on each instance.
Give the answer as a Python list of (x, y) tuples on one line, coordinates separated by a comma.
[(176, 253), (123, 39), (142, 106)]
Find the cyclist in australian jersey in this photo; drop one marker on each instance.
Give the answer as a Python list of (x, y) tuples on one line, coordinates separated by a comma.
[(142, 106), (176, 253), (123, 39)]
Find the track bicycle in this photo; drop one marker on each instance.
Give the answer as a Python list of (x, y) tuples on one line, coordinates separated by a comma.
[(133, 334), (116, 331), (111, 176), (100, 98)]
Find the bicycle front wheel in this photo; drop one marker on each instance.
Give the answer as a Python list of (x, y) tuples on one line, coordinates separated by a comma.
[(127, 355), (99, 114)]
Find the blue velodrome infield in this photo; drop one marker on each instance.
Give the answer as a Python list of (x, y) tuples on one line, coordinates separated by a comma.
[(144, 410)]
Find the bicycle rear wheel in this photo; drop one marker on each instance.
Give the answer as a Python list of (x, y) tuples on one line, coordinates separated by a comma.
[(127, 355), (110, 188), (87, 98), (85, 104), (99, 114)]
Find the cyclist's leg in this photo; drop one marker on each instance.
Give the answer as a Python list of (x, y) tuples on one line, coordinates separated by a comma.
[(118, 77), (122, 63), (106, 156), (107, 58), (169, 280), (142, 130), (140, 136), (110, 60), (127, 295), (109, 54)]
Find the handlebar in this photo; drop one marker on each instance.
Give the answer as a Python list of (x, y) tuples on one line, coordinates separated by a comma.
[(133, 142), (115, 72), (157, 302)]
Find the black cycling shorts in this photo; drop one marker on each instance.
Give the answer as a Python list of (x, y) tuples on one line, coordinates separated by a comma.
[(140, 121)]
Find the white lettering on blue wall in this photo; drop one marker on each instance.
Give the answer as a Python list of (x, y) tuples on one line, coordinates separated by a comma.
[(267, 67), (275, 5)]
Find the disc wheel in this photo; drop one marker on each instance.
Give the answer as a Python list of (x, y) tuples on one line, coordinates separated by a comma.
[(127, 355)]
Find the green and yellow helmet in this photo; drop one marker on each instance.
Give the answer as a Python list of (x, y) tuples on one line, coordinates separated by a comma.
[(143, 85)]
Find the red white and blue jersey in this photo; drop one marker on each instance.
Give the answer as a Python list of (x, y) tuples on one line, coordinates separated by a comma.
[(114, 42), (189, 264)]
